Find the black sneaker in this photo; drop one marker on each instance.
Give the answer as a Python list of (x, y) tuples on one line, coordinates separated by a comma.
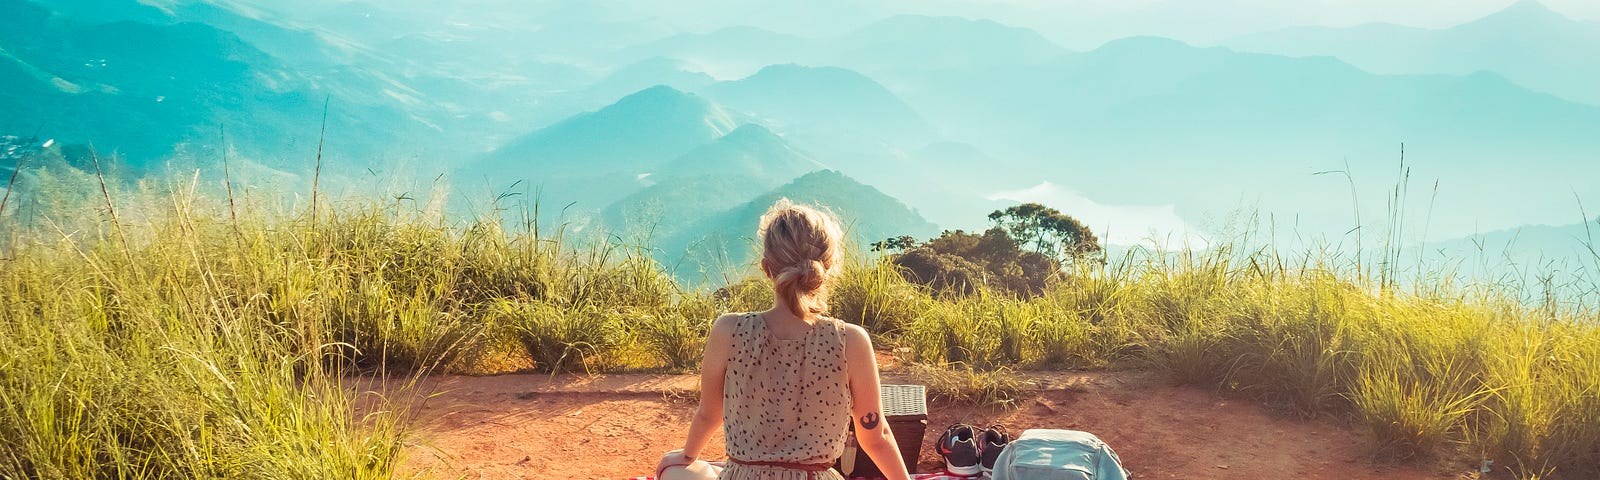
[(990, 442), (959, 447)]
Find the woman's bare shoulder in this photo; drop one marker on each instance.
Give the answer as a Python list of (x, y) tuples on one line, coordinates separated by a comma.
[(841, 325), (728, 322), (852, 333)]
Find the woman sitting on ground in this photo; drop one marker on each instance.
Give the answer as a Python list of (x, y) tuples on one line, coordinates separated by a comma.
[(786, 383)]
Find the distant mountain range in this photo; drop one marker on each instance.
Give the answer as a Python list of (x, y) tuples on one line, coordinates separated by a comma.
[(1519, 255), (1527, 43), (688, 173), (639, 125), (633, 136), (825, 103), (749, 151), (716, 176), (895, 45), (1143, 120), (735, 50), (141, 89), (725, 241), (922, 43)]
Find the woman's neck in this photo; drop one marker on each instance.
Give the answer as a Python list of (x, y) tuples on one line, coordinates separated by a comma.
[(783, 314), (785, 325)]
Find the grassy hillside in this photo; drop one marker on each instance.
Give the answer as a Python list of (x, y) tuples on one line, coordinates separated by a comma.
[(171, 336)]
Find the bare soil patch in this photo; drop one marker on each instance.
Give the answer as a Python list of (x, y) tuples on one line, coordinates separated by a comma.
[(617, 426)]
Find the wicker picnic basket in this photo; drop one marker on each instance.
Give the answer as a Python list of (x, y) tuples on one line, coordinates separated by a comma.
[(905, 409)]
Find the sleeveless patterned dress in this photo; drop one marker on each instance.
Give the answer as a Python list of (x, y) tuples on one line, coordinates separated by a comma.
[(785, 401)]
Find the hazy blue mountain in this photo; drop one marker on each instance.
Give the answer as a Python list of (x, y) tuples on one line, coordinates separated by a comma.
[(1524, 243), (749, 151), (103, 11), (646, 73), (633, 135), (1193, 98), (1146, 120), (716, 176), (824, 102), (732, 51), (1526, 42), (572, 90), (1522, 254), (672, 204), (931, 43), (490, 89), (840, 117), (725, 243), (897, 45), (1197, 100), (141, 89), (289, 44), (598, 157), (370, 21)]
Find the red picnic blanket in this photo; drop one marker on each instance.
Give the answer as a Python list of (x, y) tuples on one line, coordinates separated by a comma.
[(915, 476)]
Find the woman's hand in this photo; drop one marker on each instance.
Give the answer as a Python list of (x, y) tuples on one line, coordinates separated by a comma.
[(674, 458)]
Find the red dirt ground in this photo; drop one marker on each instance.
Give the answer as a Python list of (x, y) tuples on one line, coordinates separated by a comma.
[(617, 426)]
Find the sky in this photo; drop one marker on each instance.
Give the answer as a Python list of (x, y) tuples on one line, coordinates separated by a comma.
[(1078, 24), (1083, 24), (1155, 226)]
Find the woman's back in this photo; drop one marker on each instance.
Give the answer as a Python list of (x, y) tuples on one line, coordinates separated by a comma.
[(786, 400), (778, 381)]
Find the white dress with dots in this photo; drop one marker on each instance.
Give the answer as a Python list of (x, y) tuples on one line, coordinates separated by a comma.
[(785, 401)]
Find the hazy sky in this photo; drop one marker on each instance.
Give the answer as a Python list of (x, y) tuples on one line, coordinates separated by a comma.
[(1421, 13), (1078, 24), (1085, 23), (1156, 226)]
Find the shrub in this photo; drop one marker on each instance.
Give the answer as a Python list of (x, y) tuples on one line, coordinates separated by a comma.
[(677, 340), (384, 328), (960, 383), (752, 294), (874, 296), (960, 263), (562, 339)]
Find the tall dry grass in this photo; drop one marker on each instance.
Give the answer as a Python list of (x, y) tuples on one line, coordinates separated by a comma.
[(190, 340)]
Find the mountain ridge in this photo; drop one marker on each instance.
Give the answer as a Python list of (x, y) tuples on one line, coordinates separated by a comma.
[(1527, 42), (724, 241), (632, 135), (829, 100)]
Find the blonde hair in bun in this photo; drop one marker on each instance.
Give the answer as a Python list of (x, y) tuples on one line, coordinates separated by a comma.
[(801, 253)]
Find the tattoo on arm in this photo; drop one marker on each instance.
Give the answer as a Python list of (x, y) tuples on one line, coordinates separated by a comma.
[(869, 421)]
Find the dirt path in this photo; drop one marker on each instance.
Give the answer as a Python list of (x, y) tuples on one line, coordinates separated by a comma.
[(617, 426)]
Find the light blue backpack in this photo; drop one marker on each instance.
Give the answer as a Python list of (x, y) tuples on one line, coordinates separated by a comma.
[(1058, 455)]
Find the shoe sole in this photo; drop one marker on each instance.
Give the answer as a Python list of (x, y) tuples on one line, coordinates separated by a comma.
[(967, 470)]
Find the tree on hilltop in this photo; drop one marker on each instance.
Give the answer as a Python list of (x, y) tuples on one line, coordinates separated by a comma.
[(957, 262), (1047, 231)]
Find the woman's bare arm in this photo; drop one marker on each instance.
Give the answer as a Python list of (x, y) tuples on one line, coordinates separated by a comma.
[(719, 345), (872, 430)]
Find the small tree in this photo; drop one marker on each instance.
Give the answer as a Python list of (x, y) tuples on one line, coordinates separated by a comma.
[(1047, 231), (957, 262), (895, 244)]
